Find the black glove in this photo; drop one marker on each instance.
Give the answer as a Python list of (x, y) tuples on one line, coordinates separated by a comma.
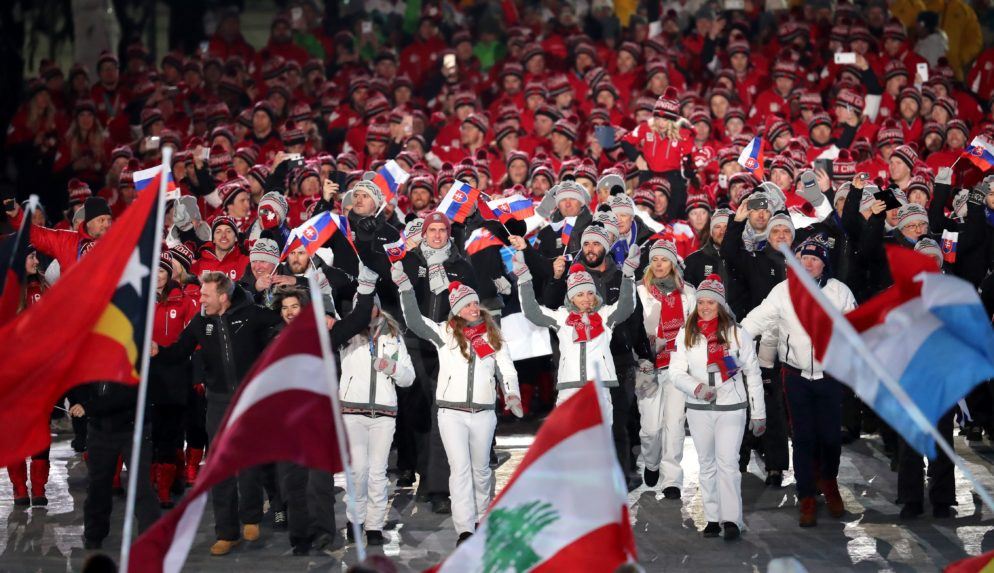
[(368, 224), (498, 231)]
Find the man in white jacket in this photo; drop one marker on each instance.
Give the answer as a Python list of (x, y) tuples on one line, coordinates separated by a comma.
[(814, 399)]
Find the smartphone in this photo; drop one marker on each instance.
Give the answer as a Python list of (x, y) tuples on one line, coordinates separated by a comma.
[(339, 178), (735, 5), (449, 61), (887, 196), (205, 153), (152, 142), (825, 165), (722, 180), (922, 70), (757, 204), (367, 27), (843, 58)]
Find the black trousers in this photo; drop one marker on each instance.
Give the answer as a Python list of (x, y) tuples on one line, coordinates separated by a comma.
[(104, 448), (167, 431), (981, 406), (622, 397), (772, 444), (236, 500), (195, 421), (911, 470), (815, 409), (310, 502), (79, 428)]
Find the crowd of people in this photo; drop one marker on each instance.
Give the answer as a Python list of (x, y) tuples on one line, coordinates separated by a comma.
[(651, 251)]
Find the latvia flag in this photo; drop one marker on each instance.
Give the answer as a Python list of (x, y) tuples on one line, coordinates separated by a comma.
[(289, 382), (566, 506)]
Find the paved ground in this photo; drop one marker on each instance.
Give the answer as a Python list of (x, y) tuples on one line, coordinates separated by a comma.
[(868, 538)]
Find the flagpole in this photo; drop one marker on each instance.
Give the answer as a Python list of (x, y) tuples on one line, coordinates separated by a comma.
[(317, 303), (25, 221), (845, 328), (136, 439)]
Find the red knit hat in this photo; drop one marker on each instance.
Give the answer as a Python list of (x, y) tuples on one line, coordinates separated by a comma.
[(668, 105), (78, 191)]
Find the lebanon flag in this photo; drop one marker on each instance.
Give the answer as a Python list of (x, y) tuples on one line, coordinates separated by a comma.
[(566, 506), (289, 382), (929, 332)]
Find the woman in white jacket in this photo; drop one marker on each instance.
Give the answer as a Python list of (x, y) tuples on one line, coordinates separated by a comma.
[(666, 304), (713, 363), (584, 325), (374, 363), (471, 354)]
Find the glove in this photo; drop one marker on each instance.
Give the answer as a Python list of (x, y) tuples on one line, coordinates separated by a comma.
[(367, 280), (757, 426), (945, 176), (513, 403), (385, 365), (181, 217), (400, 277), (503, 286), (809, 189), (646, 384), (368, 224), (632, 262), (548, 203), (705, 393), (200, 390), (976, 196), (519, 267)]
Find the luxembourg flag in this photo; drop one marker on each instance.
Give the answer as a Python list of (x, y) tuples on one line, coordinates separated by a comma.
[(752, 157), (566, 506), (149, 178), (312, 234), (927, 334), (512, 207), (981, 153), (396, 250), (458, 202), (389, 178)]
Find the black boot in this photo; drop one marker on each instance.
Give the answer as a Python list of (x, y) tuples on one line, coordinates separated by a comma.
[(712, 529), (912, 510), (731, 531), (671, 492), (650, 477)]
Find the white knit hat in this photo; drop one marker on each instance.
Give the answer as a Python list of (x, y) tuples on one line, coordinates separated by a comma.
[(713, 289), (610, 222), (579, 281), (911, 213), (781, 219), (597, 234), (929, 247), (266, 251), (720, 216), (622, 205), (666, 249), (459, 296), (366, 184), (572, 190)]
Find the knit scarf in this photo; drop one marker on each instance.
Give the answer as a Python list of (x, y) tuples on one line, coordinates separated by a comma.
[(438, 280), (476, 334), (586, 326), (989, 215), (752, 239), (670, 319), (717, 353)]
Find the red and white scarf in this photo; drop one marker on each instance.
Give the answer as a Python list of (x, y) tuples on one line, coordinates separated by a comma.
[(586, 326), (670, 321), (717, 353), (477, 337)]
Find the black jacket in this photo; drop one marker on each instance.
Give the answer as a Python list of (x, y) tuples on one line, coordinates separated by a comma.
[(110, 406), (230, 342), (436, 306), (758, 272)]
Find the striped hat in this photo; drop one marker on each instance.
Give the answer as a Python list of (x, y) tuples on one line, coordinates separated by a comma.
[(781, 219), (720, 217), (183, 255), (566, 127), (265, 251), (667, 106), (477, 120), (609, 220), (596, 234), (166, 263), (666, 249), (571, 190), (579, 281), (713, 289), (911, 213), (460, 295), (906, 154), (622, 205), (929, 247), (273, 201), (367, 186)]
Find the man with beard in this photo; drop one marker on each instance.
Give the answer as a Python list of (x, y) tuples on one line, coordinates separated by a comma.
[(224, 254), (421, 190)]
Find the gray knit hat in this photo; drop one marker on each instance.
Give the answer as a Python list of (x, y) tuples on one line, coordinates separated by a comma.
[(622, 204), (720, 216), (911, 213), (459, 296), (781, 219), (366, 184), (597, 234), (666, 249), (266, 251), (929, 247), (579, 281)]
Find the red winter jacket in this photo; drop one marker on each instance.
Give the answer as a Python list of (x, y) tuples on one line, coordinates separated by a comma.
[(232, 264), (172, 315), (64, 246), (661, 154)]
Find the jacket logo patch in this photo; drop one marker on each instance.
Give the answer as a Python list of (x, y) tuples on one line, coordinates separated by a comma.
[(708, 269), (210, 329), (422, 272)]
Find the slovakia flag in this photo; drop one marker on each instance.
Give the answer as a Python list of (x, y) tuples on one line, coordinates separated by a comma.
[(481, 239), (981, 153), (150, 178), (928, 332), (752, 157), (312, 234), (458, 202), (949, 243), (389, 178), (397, 250), (505, 209)]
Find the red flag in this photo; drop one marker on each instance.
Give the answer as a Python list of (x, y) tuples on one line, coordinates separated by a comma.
[(976, 564), (89, 326), (288, 382), (13, 256)]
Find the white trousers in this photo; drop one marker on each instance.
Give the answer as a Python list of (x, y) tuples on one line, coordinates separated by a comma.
[(717, 437), (467, 437), (663, 432), (369, 448), (607, 409)]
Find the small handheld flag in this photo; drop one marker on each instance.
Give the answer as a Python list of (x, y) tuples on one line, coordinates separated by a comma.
[(505, 209), (752, 157), (397, 250), (949, 241), (980, 152), (312, 234), (458, 202), (149, 179), (389, 178)]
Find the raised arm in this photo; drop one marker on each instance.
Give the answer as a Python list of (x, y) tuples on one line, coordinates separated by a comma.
[(626, 298), (536, 314), (416, 322)]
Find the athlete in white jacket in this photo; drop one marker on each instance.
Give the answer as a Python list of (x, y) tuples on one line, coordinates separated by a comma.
[(584, 325), (666, 302), (713, 365), (471, 353), (374, 363)]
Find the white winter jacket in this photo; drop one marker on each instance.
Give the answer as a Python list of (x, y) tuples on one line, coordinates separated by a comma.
[(362, 388), (794, 345), (579, 362), (652, 310), (462, 384), (689, 367)]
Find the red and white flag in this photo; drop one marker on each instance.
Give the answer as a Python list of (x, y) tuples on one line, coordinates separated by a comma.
[(289, 382), (566, 506)]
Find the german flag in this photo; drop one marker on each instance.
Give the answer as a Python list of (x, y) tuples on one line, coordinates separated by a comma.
[(14, 251), (90, 326)]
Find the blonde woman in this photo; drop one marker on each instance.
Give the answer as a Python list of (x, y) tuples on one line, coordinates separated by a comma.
[(666, 303), (713, 363), (471, 354)]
